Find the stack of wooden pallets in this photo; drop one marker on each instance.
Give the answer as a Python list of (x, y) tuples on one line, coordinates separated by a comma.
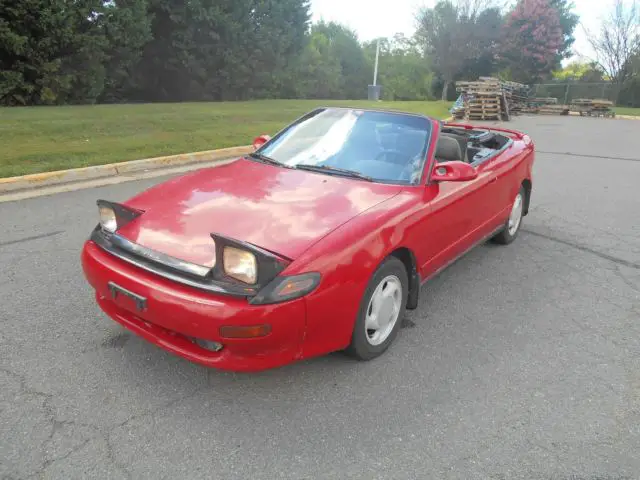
[(490, 98), (482, 99), (593, 108), (516, 95), (553, 110), (603, 108)]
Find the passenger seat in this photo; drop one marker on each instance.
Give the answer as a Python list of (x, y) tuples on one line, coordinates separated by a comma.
[(462, 141), (448, 149)]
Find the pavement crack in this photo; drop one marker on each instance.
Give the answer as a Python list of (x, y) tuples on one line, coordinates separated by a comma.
[(111, 456), (583, 155), (34, 237), (152, 412), (71, 451), (25, 389), (577, 246), (618, 271)]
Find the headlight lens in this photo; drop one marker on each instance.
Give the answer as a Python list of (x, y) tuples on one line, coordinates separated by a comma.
[(114, 216), (108, 219), (240, 264)]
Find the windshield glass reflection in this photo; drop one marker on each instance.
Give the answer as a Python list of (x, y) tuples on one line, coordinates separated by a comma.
[(385, 146)]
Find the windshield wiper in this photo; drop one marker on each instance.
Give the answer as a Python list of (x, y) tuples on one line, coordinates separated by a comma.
[(333, 170), (269, 160)]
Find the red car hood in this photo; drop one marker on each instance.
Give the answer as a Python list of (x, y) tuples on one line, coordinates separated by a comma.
[(281, 210)]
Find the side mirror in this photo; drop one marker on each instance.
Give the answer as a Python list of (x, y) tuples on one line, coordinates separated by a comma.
[(453, 172), (261, 140)]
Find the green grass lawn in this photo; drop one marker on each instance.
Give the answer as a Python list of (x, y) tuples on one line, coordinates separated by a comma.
[(40, 139), (627, 111)]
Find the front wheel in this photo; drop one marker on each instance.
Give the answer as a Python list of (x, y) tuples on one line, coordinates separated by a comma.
[(381, 311), (513, 223)]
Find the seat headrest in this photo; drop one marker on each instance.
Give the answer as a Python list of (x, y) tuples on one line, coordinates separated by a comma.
[(448, 149)]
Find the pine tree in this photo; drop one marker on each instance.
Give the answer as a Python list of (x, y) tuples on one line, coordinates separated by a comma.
[(51, 51)]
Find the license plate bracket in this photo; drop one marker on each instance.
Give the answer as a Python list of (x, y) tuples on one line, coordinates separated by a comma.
[(116, 291)]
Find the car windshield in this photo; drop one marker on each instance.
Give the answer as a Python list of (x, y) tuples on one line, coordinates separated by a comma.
[(381, 146)]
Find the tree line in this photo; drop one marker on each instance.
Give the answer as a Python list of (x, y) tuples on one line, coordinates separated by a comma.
[(110, 51)]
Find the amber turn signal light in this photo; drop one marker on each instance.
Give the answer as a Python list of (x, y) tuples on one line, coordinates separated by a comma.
[(282, 289), (253, 331)]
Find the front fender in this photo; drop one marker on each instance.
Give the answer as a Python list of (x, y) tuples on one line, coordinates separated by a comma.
[(347, 258)]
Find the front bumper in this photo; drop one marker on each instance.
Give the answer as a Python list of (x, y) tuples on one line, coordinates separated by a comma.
[(175, 313)]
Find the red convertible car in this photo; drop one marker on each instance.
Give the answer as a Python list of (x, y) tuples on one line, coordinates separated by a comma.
[(316, 242)]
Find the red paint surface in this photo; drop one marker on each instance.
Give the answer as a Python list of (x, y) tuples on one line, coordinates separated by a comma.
[(340, 227), (278, 209)]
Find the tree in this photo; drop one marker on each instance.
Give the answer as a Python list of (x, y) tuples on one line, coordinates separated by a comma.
[(127, 26), (319, 73), (444, 40), (618, 41), (403, 72), (568, 23), (272, 37), (221, 49), (579, 71), (485, 44), (629, 94), (455, 34), (51, 51), (344, 46), (532, 39)]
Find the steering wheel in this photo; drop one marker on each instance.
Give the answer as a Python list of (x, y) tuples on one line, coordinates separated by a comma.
[(400, 158)]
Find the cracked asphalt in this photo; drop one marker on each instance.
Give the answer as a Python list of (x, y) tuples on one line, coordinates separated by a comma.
[(522, 362)]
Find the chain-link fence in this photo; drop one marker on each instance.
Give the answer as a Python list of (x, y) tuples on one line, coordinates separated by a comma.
[(567, 92)]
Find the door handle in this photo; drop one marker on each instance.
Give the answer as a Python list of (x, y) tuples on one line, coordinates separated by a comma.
[(494, 179)]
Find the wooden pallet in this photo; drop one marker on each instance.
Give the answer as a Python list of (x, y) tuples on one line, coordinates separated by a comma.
[(586, 102), (554, 110), (544, 100), (491, 102), (598, 112), (483, 117)]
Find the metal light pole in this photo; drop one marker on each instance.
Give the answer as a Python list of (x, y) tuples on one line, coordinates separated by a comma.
[(374, 90), (375, 68)]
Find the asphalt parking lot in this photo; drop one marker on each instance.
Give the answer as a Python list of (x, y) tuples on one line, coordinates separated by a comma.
[(522, 362)]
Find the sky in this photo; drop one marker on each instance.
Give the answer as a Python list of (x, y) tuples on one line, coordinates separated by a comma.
[(398, 16)]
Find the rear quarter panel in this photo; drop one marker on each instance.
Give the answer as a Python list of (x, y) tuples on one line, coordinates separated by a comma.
[(523, 160)]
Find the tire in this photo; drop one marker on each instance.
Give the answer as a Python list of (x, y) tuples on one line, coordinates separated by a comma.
[(367, 344), (508, 234)]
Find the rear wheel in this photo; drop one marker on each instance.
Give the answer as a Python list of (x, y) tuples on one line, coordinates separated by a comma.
[(381, 311), (514, 222)]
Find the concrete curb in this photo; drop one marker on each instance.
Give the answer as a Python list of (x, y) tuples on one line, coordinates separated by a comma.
[(47, 179)]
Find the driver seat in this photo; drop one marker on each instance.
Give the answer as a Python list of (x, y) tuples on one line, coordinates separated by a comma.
[(448, 149)]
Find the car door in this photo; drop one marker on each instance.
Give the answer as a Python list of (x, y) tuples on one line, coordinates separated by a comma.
[(502, 171), (455, 219)]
